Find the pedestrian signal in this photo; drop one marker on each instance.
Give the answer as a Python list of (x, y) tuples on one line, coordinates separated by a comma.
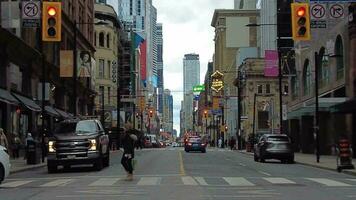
[(51, 21), (300, 21)]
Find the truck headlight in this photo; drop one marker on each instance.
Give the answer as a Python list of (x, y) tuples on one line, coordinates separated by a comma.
[(51, 147), (92, 145)]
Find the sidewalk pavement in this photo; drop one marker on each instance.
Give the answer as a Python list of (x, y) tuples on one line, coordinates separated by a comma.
[(326, 162), (20, 165)]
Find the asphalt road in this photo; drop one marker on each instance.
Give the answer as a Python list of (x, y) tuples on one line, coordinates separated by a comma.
[(173, 174)]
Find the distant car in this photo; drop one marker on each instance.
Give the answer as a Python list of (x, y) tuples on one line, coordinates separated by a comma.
[(274, 146), (195, 144), (147, 143), (77, 142), (174, 144), (4, 163)]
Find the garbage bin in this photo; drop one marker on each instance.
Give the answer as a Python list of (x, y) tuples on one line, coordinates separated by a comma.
[(33, 152)]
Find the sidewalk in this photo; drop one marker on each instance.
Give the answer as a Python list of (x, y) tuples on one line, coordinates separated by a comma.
[(19, 165), (326, 162)]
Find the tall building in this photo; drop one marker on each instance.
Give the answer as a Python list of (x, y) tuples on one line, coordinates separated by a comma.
[(191, 78), (160, 67), (168, 111), (132, 14), (246, 4), (191, 72)]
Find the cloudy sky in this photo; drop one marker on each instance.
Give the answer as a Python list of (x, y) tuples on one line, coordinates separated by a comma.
[(186, 29)]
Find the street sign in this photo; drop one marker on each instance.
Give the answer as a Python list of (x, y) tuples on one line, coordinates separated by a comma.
[(217, 81), (318, 11), (31, 14), (337, 11), (284, 112), (31, 10), (199, 88), (318, 24), (196, 97)]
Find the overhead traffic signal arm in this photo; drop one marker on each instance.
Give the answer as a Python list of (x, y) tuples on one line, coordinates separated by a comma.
[(300, 21), (51, 21)]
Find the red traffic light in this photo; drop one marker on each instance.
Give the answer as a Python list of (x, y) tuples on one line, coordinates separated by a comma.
[(301, 12), (52, 11)]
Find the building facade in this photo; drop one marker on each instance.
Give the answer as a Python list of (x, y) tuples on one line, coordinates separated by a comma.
[(106, 56), (160, 70)]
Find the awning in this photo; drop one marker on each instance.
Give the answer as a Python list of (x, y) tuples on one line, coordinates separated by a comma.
[(63, 114), (30, 104), (51, 111), (308, 107), (5, 96), (345, 107)]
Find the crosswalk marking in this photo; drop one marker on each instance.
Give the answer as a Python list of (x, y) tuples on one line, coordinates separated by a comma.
[(201, 181), (15, 184), (237, 181), (279, 181), (149, 181), (188, 180), (58, 182), (328, 182), (105, 182)]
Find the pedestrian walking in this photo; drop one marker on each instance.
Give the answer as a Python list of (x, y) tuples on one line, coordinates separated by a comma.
[(128, 143), (16, 147), (3, 139), (28, 140), (220, 143)]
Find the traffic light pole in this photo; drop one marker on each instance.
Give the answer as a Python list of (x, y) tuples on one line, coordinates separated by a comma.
[(280, 76), (316, 125), (43, 95)]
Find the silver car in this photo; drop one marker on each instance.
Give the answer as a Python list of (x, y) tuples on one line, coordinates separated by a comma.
[(4, 163)]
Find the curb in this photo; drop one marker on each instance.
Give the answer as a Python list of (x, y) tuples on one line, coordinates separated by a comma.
[(28, 168), (315, 166)]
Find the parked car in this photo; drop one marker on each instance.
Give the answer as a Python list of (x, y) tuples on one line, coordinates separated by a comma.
[(78, 142), (195, 144), (4, 163), (273, 146)]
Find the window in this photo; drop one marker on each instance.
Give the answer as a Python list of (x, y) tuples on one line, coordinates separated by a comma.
[(307, 78), (109, 94), (339, 54), (101, 39), (109, 70), (108, 40), (259, 89), (263, 119), (101, 68), (101, 90), (268, 88)]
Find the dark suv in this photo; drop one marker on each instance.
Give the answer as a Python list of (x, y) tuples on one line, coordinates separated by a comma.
[(78, 142)]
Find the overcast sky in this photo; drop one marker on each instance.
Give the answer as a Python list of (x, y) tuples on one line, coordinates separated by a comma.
[(186, 29)]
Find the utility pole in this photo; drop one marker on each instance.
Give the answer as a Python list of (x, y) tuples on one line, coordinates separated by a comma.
[(280, 77), (316, 122), (75, 66)]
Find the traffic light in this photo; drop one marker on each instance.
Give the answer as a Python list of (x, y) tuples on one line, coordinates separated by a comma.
[(300, 21), (51, 21), (206, 114), (150, 113)]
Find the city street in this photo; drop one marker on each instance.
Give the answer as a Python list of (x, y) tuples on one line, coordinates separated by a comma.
[(174, 174)]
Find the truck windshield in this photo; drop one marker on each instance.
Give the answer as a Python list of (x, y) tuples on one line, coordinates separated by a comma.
[(81, 127)]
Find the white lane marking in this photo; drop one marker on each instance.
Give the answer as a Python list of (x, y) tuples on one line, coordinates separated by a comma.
[(238, 181), (15, 184), (188, 180), (279, 181), (149, 181), (243, 165), (59, 182), (264, 173), (201, 181), (328, 182), (105, 182), (240, 196)]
